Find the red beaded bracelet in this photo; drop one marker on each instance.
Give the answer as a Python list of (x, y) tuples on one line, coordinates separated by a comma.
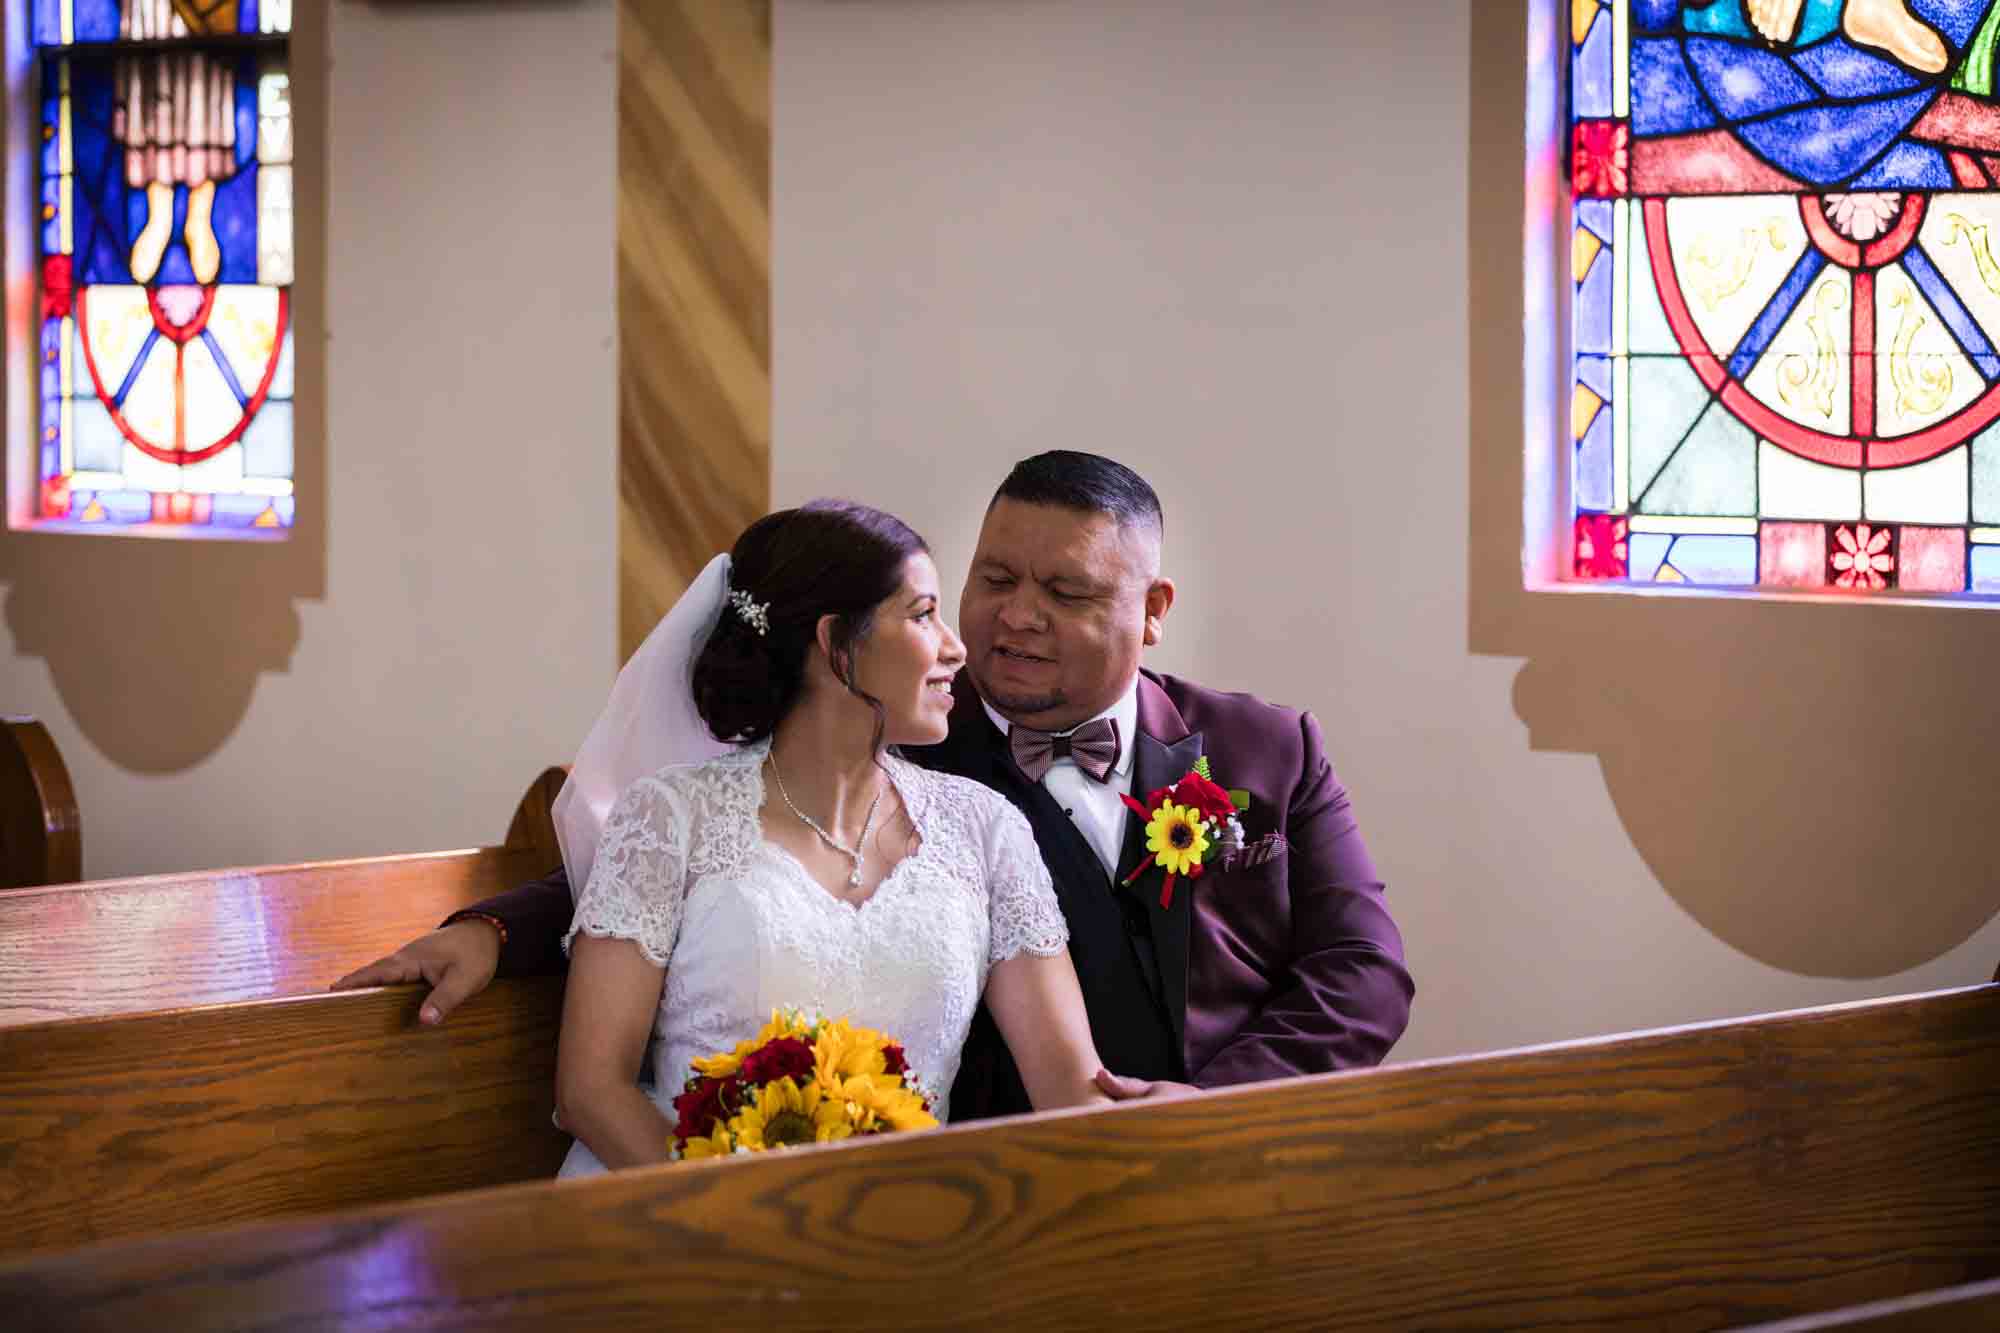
[(473, 914)]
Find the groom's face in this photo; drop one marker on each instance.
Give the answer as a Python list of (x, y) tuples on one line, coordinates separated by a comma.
[(1056, 609)]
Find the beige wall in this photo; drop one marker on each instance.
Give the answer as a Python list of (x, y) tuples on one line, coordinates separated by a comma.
[(1270, 254), (392, 679)]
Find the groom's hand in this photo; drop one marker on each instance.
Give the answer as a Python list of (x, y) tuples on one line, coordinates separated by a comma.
[(1121, 1089), (458, 962)]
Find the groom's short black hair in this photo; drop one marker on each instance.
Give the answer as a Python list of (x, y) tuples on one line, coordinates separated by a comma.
[(1086, 483)]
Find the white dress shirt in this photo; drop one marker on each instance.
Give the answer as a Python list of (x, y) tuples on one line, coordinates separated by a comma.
[(1093, 806)]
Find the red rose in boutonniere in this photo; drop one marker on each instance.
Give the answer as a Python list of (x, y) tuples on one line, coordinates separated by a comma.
[(1187, 824)]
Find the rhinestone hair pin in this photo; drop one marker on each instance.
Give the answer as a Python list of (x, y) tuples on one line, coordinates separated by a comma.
[(752, 612)]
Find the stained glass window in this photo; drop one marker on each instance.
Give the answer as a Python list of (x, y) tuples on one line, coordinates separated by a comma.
[(1786, 265), (166, 264)]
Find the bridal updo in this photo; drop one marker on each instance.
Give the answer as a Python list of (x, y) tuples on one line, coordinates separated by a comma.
[(828, 557)]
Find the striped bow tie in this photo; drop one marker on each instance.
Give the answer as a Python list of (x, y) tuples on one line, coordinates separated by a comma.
[(1093, 747)]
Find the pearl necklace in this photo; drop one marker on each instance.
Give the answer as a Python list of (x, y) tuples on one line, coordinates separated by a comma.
[(851, 853)]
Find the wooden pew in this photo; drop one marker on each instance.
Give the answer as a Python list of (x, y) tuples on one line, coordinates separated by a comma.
[(41, 834), (123, 1125), (1974, 1305), (208, 937), (1697, 1178)]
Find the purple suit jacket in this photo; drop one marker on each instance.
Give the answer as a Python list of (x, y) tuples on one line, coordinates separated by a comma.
[(1293, 963), (1285, 962)]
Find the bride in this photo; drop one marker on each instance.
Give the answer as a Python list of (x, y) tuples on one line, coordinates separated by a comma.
[(796, 862)]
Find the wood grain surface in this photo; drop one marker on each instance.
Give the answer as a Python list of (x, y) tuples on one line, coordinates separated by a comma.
[(41, 833), (1961, 1309), (121, 946), (1694, 1179), (164, 1121), (170, 941), (694, 292)]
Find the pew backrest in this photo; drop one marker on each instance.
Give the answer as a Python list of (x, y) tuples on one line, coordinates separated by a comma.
[(1697, 1178), (210, 937), (138, 1123), (41, 833)]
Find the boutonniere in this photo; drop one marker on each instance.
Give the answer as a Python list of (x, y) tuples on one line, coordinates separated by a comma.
[(1187, 825)]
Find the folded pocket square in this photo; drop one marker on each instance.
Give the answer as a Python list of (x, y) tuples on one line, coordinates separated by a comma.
[(1254, 854)]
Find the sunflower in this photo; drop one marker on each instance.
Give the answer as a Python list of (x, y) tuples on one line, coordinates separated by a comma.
[(716, 1144), (876, 1103), (1177, 836), (844, 1051), (784, 1114)]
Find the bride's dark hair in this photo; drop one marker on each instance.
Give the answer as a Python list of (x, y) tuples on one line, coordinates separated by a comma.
[(829, 557)]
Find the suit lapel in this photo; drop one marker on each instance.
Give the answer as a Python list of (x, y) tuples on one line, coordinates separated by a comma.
[(1162, 753)]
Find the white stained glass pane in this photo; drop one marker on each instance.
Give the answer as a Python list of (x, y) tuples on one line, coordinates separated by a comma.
[(267, 444), (116, 322), (1804, 375), (244, 321), (143, 472), (98, 445), (211, 406), (275, 15), (1986, 476), (274, 118), (150, 407), (281, 382), (1933, 492), (1731, 254), (274, 226), (1792, 487), (1921, 376), (267, 486), (1961, 237), (220, 475)]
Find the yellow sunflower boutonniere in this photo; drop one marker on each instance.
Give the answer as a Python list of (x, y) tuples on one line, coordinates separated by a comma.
[(1186, 824)]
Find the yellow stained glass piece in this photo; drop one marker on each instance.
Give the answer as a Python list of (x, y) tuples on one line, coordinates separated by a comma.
[(267, 519), (207, 17), (1668, 574), (1583, 248), (1583, 410), (93, 513), (1582, 13)]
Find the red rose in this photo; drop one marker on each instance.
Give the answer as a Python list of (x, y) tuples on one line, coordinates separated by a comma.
[(1197, 791), (781, 1057), (699, 1108), (893, 1061)]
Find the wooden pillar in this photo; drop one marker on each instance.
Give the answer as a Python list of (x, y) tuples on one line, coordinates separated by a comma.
[(694, 292)]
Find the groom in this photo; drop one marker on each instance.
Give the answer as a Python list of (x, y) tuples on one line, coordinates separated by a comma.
[(1279, 959)]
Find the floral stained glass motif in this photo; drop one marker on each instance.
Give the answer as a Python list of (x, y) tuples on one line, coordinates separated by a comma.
[(166, 264), (1785, 256)]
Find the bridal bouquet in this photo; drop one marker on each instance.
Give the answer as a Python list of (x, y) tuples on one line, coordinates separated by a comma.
[(802, 1079)]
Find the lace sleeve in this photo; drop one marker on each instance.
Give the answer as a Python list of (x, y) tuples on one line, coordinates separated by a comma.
[(1021, 899), (638, 882)]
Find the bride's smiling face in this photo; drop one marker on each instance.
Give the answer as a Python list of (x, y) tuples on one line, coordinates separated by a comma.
[(908, 658)]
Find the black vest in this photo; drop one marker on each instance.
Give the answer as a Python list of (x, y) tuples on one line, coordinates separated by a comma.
[(1110, 936)]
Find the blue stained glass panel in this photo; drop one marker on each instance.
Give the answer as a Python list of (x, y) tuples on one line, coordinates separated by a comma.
[(267, 445), (1745, 82), (1592, 89), (96, 20), (1956, 19), (246, 16), (1593, 463), (1595, 214), (1595, 373), (1664, 97), (1845, 70), (126, 506), (1907, 166), (1593, 306), (1827, 144), (48, 22), (1645, 551), (238, 511), (1715, 560), (1986, 569)]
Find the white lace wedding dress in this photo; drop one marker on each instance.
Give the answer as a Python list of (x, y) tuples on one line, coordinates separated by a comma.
[(683, 870)]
